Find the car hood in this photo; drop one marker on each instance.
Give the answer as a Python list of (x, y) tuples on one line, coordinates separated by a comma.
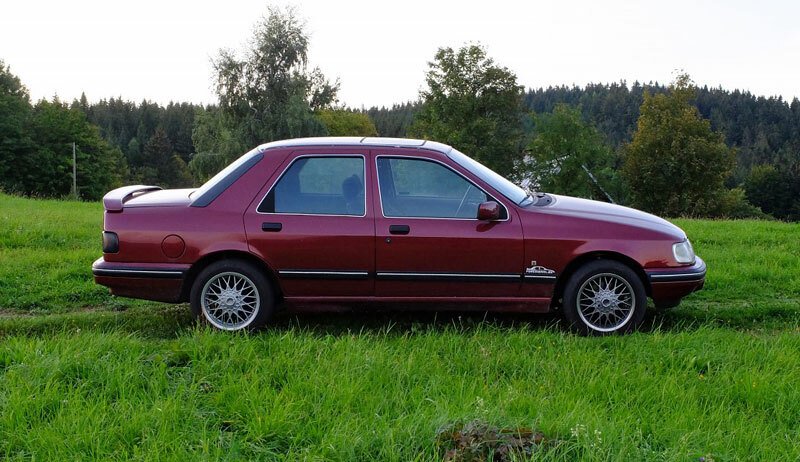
[(162, 198), (603, 211)]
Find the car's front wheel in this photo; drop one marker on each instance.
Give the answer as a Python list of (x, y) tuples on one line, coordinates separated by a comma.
[(232, 295), (604, 297)]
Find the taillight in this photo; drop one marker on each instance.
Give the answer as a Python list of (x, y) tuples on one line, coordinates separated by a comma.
[(110, 242)]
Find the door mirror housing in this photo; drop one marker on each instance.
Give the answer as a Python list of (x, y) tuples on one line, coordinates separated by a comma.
[(489, 211)]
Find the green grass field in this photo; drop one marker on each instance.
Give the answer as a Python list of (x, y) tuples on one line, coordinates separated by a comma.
[(84, 375)]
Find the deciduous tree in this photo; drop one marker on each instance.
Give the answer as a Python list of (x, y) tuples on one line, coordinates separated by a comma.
[(341, 122), (267, 92), (675, 164), (474, 105), (568, 156)]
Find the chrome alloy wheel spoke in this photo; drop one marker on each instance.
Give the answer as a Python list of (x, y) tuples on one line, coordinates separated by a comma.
[(605, 302), (230, 301)]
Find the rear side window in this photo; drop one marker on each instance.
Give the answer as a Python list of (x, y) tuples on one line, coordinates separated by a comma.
[(319, 186)]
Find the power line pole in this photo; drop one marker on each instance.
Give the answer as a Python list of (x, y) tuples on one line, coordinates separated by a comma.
[(74, 173)]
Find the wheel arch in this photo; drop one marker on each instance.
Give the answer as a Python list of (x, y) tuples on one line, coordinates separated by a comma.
[(214, 257), (580, 260)]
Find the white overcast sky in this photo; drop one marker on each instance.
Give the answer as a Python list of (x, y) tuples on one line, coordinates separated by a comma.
[(161, 50)]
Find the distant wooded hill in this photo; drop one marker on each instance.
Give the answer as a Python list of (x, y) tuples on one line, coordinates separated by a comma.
[(764, 130)]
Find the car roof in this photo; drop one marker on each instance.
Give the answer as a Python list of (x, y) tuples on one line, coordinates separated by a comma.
[(358, 141)]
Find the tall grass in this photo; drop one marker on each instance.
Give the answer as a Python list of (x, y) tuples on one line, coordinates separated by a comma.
[(715, 378)]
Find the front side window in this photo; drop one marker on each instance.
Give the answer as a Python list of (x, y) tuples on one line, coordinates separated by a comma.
[(319, 186), (426, 189)]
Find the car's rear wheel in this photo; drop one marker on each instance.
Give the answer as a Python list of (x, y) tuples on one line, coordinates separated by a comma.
[(232, 295), (604, 297)]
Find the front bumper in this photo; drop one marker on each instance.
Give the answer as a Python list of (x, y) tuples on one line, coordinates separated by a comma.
[(668, 286), (147, 281)]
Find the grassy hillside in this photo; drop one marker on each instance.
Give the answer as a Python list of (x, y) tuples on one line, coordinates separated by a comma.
[(104, 378)]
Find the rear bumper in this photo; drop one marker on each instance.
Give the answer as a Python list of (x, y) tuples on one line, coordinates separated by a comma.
[(668, 286), (147, 281)]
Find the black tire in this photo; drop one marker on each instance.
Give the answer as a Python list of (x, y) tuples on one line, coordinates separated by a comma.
[(611, 295), (248, 301)]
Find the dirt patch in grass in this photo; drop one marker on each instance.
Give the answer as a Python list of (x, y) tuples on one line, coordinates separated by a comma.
[(478, 441)]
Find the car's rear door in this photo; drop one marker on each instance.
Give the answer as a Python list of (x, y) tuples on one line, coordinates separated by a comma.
[(429, 243), (314, 224)]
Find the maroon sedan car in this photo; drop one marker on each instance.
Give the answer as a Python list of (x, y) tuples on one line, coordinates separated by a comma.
[(387, 222)]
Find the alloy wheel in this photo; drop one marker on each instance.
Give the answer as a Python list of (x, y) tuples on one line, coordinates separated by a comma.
[(606, 302), (230, 301)]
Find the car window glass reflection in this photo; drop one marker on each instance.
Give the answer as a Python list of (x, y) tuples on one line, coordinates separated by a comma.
[(421, 188), (319, 186)]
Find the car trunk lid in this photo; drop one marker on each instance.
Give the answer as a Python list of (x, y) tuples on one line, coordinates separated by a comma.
[(145, 196)]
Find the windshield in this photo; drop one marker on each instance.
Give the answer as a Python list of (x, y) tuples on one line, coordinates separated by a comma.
[(503, 186)]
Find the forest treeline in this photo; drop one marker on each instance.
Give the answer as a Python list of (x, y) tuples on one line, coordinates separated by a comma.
[(593, 141), (764, 130)]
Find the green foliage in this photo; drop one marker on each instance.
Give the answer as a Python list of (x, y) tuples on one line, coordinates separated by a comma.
[(776, 191), (217, 142), (37, 153), (676, 165), (341, 122), (267, 94), (393, 122), (733, 203), (15, 143), (563, 149), (161, 165), (129, 126), (473, 105)]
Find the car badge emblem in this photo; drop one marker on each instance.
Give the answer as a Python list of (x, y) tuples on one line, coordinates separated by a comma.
[(537, 269)]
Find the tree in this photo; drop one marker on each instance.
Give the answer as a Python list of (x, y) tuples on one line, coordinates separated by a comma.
[(216, 141), (341, 122), (676, 165), (161, 165), (565, 151), (473, 105), (393, 122), (47, 170), (268, 93), (16, 145), (775, 191)]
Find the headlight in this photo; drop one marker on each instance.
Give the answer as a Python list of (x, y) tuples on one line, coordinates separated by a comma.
[(683, 252)]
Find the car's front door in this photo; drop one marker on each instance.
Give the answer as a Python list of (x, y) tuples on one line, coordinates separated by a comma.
[(314, 225), (429, 242)]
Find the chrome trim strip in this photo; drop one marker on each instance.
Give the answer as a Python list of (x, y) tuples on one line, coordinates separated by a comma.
[(536, 276), (324, 156), (407, 156), (449, 277), (163, 274), (683, 276), (454, 275), (400, 275), (692, 274), (323, 274)]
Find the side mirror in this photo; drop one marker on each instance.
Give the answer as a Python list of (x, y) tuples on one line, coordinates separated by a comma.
[(489, 211)]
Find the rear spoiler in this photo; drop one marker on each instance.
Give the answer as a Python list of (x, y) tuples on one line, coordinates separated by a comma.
[(114, 200)]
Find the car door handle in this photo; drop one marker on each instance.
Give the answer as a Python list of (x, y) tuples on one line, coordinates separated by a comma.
[(399, 229), (271, 227)]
